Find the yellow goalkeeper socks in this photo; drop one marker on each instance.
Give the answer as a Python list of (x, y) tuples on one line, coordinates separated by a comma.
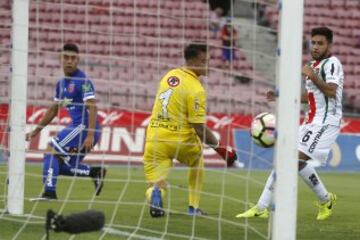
[(195, 186)]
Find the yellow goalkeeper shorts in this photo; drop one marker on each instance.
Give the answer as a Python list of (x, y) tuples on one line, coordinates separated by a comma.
[(158, 157)]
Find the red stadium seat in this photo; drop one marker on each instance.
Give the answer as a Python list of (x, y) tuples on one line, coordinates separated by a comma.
[(336, 4)]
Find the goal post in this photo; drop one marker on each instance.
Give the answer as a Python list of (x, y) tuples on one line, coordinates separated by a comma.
[(288, 113), (19, 64)]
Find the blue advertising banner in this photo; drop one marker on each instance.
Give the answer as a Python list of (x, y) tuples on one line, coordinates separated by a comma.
[(344, 156)]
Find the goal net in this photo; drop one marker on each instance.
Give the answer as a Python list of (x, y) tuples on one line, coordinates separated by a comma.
[(126, 46)]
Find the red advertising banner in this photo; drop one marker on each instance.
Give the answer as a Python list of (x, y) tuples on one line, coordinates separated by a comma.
[(123, 132)]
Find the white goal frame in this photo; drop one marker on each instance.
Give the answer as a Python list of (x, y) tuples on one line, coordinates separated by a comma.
[(288, 115), (19, 64)]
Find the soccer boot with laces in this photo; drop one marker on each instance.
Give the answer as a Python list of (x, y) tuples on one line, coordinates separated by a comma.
[(156, 204), (45, 196), (325, 209), (254, 212), (196, 212)]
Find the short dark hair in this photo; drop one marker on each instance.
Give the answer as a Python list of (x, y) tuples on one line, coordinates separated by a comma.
[(70, 47), (323, 31), (193, 49)]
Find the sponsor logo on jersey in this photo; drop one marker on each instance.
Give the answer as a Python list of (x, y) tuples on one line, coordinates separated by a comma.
[(66, 101), (71, 87), (173, 81), (86, 88), (164, 124)]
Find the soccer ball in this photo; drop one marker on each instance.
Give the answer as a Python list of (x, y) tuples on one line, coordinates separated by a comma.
[(263, 130)]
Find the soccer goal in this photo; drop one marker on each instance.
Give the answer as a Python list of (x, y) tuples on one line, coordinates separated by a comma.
[(125, 48)]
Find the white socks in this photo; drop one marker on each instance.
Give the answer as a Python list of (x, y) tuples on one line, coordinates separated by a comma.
[(266, 196), (309, 175), (311, 178)]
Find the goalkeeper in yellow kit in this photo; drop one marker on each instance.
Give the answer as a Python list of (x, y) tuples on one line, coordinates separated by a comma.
[(177, 129)]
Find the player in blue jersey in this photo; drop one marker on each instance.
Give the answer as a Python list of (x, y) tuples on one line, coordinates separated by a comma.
[(67, 150)]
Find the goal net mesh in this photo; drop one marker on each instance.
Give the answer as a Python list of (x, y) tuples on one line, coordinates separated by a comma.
[(126, 46)]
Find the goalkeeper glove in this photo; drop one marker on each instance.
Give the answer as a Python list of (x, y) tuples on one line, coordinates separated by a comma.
[(227, 153)]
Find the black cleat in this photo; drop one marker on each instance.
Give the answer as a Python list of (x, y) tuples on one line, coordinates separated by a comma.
[(98, 174), (45, 196), (49, 195)]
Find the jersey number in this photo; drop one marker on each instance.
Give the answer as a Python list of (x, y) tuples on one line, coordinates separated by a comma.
[(165, 97), (306, 136)]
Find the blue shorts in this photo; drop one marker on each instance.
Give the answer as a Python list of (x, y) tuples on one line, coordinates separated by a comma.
[(228, 54), (71, 138)]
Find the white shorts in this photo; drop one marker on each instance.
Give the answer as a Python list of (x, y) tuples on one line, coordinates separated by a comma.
[(315, 140)]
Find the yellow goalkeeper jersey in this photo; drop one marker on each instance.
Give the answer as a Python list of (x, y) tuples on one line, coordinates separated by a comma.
[(180, 101)]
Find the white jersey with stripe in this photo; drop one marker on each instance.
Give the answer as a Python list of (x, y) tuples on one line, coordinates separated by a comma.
[(323, 109)]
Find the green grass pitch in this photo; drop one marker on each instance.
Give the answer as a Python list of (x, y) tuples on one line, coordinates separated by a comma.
[(225, 195)]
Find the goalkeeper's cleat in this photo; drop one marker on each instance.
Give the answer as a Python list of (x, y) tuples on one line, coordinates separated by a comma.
[(325, 209), (156, 203), (254, 212), (196, 212), (98, 174)]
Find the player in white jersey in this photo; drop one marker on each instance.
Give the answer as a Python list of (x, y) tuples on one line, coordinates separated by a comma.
[(324, 87), (324, 78)]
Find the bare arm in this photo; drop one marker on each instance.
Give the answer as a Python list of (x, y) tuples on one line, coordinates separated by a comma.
[(329, 89), (91, 106), (304, 97), (205, 134), (226, 152), (48, 117)]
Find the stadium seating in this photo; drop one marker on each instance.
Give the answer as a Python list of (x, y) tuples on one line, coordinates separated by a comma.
[(122, 43), (150, 44)]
